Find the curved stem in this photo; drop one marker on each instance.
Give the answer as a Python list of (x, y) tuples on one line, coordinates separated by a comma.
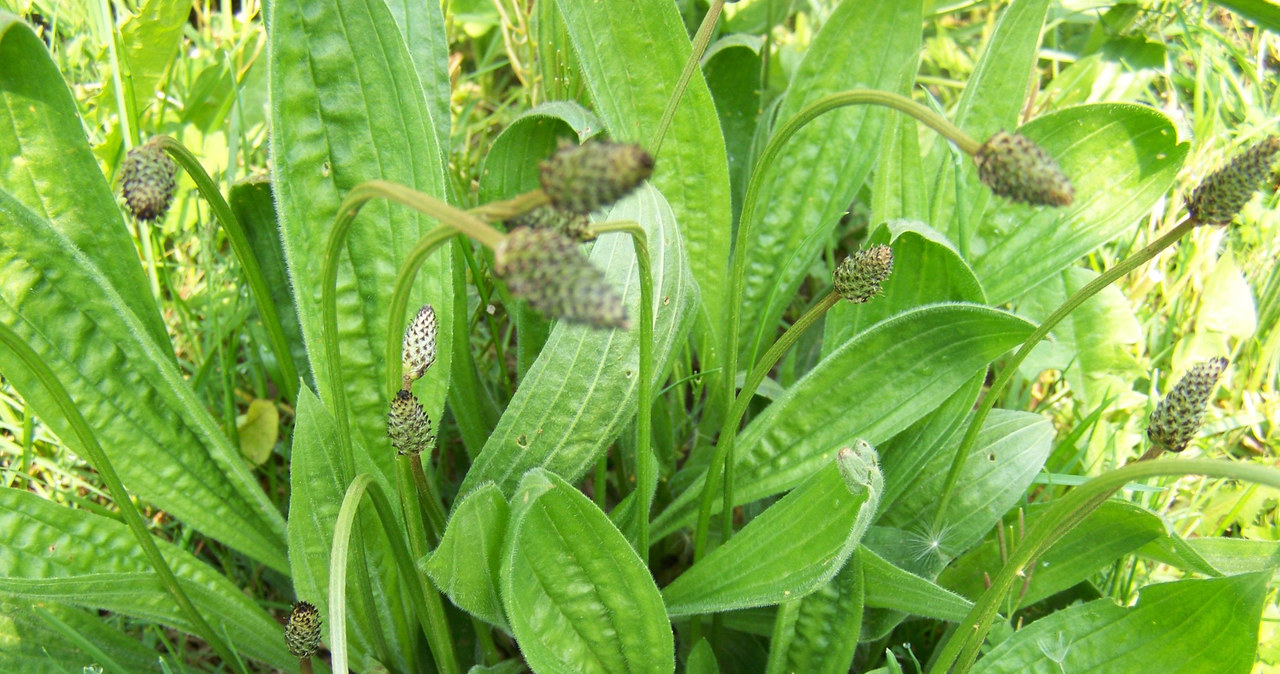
[(504, 210), (699, 47), (1006, 375), (128, 510), (723, 454), (961, 648), (248, 261), (426, 601), (400, 300), (646, 468), (458, 219)]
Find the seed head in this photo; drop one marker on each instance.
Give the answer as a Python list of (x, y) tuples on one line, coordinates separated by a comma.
[(419, 350), (1014, 167), (546, 268), (302, 633), (1220, 196), (574, 225), (1178, 417), (147, 181), (408, 425), (584, 178), (860, 276)]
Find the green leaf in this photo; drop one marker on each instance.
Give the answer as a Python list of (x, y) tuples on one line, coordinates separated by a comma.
[(825, 633), (889, 587), (54, 174), (906, 453), (899, 187), (1008, 454), (631, 55), (1113, 530), (44, 638), (993, 97), (1262, 12), (77, 558), (792, 548), (147, 44), (579, 598), (258, 428), (1122, 159), (315, 498), (1185, 626), (732, 66), (152, 427), (422, 27), (702, 660), (466, 565), (873, 386), (581, 392), (254, 206), (1213, 556), (823, 166), (928, 270), (339, 91)]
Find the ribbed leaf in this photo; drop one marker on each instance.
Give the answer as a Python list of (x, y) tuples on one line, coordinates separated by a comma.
[(875, 385), (347, 107), (581, 391), (1122, 159), (579, 598), (77, 558), (1185, 626), (791, 549), (631, 54), (147, 43), (43, 638), (889, 587), (823, 166), (422, 27), (466, 565), (54, 174), (926, 270), (1113, 530), (157, 434), (1010, 450), (827, 624), (732, 66)]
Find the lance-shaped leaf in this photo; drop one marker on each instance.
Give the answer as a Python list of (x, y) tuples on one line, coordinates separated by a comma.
[(1185, 626), (578, 596), (347, 106), (77, 558), (467, 563), (582, 389), (875, 385), (792, 548), (825, 632), (631, 55), (45, 638), (152, 427), (821, 168)]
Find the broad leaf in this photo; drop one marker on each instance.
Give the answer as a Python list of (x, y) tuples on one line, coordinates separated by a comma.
[(631, 55), (152, 427), (1186, 626), (579, 598), (582, 390), (825, 633), (466, 565), (1113, 530), (792, 548), (873, 386), (44, 638), (1122, 159), (422, 27), (347, 107), (54, 174), (77, 558), (809, 186)]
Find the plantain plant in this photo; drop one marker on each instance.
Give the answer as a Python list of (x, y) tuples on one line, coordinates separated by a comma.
[(692, 470)]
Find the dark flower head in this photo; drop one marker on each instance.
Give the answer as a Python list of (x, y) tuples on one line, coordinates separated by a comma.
[(547, 269), (1178, 417), (1014, 167), (147, 181), (583, 178), (860, 276), (302, 633), (1220, 196)]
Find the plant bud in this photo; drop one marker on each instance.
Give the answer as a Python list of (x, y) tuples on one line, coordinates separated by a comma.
[(1178, 417), (1015, 168), (546, 268), (574, 225), (302, 633), (584, 178), (147, 181), (408, 425), (419, 350), (860, 276), (1220, 196)]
